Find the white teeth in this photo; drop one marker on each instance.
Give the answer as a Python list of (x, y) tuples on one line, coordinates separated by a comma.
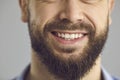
[(72, 36), (80, 35), (68, 36), (59, 34), (76, 35), (62, 35)]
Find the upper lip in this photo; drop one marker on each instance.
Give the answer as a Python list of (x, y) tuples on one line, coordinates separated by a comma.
[(70, 32)]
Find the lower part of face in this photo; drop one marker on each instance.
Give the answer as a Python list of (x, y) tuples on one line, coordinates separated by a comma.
[(65, 58)]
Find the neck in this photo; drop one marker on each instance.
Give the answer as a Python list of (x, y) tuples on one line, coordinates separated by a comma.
[(38, 71)]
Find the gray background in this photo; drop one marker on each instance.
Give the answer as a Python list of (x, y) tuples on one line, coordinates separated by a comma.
[(15, 43)]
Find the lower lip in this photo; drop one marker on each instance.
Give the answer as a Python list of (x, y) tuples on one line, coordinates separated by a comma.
[(63, 41)]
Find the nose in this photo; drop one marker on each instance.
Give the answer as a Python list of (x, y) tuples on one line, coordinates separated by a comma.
[(72, 11)]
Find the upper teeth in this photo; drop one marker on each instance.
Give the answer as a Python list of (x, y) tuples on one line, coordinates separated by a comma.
[(70, 36)]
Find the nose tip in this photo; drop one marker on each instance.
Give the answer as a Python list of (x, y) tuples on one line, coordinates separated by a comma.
[(72, 12), (72, 17)]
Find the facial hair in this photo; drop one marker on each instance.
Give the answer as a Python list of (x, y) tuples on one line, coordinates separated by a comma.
[(67, 69)]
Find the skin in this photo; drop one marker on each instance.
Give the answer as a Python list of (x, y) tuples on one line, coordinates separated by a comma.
[(42, 11)]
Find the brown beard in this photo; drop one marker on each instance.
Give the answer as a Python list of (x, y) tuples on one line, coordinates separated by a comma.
[(70, 69)]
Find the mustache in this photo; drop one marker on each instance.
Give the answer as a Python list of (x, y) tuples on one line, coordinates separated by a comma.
[(67, 25)]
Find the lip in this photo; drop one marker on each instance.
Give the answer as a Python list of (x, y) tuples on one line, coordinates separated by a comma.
[(64, 41)]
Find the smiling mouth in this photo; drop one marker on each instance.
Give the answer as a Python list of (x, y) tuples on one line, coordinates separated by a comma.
[(69, 36)]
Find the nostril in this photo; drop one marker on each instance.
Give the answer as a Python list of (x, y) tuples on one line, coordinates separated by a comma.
[(65, 20), (80, 20)]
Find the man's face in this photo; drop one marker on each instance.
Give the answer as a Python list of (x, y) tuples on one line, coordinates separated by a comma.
[(68, 35)]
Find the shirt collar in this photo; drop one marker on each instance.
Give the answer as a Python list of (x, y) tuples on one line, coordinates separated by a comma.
[(24, 73), (105, 74)]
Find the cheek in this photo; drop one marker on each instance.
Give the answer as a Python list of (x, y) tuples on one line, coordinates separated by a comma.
[(44, 13), (98, 17)]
